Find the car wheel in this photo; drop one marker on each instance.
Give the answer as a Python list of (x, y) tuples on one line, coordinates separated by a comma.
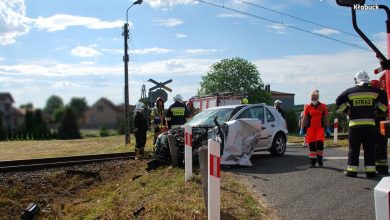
[(278, 145)]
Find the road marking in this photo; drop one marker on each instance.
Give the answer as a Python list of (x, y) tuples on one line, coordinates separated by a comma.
[(340, 158)]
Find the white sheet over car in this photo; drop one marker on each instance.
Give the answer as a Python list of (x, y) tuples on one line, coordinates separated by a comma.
[(242, 138)]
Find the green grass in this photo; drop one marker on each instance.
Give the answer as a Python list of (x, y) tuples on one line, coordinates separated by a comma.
[(19, 150)]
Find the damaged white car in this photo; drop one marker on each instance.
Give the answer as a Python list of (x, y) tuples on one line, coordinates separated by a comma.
[(242, 129)]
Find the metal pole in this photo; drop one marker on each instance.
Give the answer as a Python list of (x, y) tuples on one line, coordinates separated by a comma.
[(126, 60)]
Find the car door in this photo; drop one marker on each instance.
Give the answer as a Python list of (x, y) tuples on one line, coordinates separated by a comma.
[(270, 125), (259, 113)]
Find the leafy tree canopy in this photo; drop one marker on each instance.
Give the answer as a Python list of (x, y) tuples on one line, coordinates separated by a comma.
[(237, 76), (53, 103)]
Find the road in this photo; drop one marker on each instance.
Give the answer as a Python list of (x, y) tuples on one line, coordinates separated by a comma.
[(295, 191)]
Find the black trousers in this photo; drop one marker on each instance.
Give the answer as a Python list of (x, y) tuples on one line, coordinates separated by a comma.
[(381, 153), (140, 139), (361, 135)]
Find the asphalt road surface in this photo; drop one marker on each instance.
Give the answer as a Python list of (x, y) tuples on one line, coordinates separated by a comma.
[(295, 191)]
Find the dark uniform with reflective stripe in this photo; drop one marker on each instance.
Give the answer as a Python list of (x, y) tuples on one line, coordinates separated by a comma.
[(177, 114), (362, 100), (381, 145)]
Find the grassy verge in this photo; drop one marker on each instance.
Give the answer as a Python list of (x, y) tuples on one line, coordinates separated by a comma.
[(160, 194), (19, 150), (328, 142)]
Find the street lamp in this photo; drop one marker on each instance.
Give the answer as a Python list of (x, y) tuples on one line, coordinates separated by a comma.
[(126, 61)]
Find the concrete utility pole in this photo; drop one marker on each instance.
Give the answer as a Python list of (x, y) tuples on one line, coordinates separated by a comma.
[(126, 61)]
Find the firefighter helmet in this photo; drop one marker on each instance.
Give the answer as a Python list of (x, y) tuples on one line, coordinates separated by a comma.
[(178, 98), (160, 99), (277, 102), (361, 77), (139, 106)]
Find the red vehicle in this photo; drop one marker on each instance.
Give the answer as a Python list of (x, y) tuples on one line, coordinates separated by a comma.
[(211, 101), (384, 62)]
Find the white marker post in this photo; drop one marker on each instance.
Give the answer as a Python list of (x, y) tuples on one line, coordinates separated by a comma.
[(187, 152), (214, 194), (335, 130), (382, 199)]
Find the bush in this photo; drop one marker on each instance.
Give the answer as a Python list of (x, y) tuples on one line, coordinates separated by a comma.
[(103, 132), (291, 120)]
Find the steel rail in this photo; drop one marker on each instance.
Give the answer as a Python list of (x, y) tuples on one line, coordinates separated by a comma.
[(45, 163)]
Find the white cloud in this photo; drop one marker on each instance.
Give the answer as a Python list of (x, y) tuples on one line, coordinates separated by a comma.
[(63, 21), (154, 50), (113, 51), (13, 22), (168, 3), (180, 35), (85, 51), (330, 73), (279, 28), (231, 15), (87, 62), (326, 31), (169, 22), (164, 67), (201, 51), (67, 84)]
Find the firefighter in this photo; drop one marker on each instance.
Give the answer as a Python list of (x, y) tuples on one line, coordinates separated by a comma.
[(157, 118), (140, 128), (177, 113), (381, 163), (245, 100), (315, 118), (191, 109), (278, 106), (361, 101)]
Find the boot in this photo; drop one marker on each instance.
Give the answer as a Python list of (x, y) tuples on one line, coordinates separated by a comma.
[(313, 162), (137, 154), (371, 175), (382, 170), (141, 152), (351, 174), (320, 163)]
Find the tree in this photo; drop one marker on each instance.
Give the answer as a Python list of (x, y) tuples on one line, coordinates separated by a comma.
[(40, 127), (2, 133), (79, 105), (29, 124), (58, 114), (53, 103), (27, 106), (235, 75), (68, 128)]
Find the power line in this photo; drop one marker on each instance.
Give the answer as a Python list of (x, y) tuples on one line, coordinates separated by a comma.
[(297, 18), (281, 23)]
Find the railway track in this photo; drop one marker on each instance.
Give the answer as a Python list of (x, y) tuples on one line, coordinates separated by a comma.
[(45, 163)]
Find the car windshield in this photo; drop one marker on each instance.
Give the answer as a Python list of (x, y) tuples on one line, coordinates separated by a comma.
[(206, 117)]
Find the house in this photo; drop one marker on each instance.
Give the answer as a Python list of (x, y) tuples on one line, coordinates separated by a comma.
[(104, 113), (11, 117), (286, 98)]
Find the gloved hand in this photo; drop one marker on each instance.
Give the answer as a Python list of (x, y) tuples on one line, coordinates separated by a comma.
[(327, 132), (302, 132)]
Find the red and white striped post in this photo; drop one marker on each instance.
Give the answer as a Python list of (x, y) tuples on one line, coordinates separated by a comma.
[(335, 130), (187, 152), (214, 194)]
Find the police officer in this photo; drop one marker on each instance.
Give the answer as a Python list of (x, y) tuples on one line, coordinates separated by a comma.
[(177, 113), (361, 100), (381, 141)]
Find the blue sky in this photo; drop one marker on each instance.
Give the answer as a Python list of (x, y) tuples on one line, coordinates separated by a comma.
[(74, 48)]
